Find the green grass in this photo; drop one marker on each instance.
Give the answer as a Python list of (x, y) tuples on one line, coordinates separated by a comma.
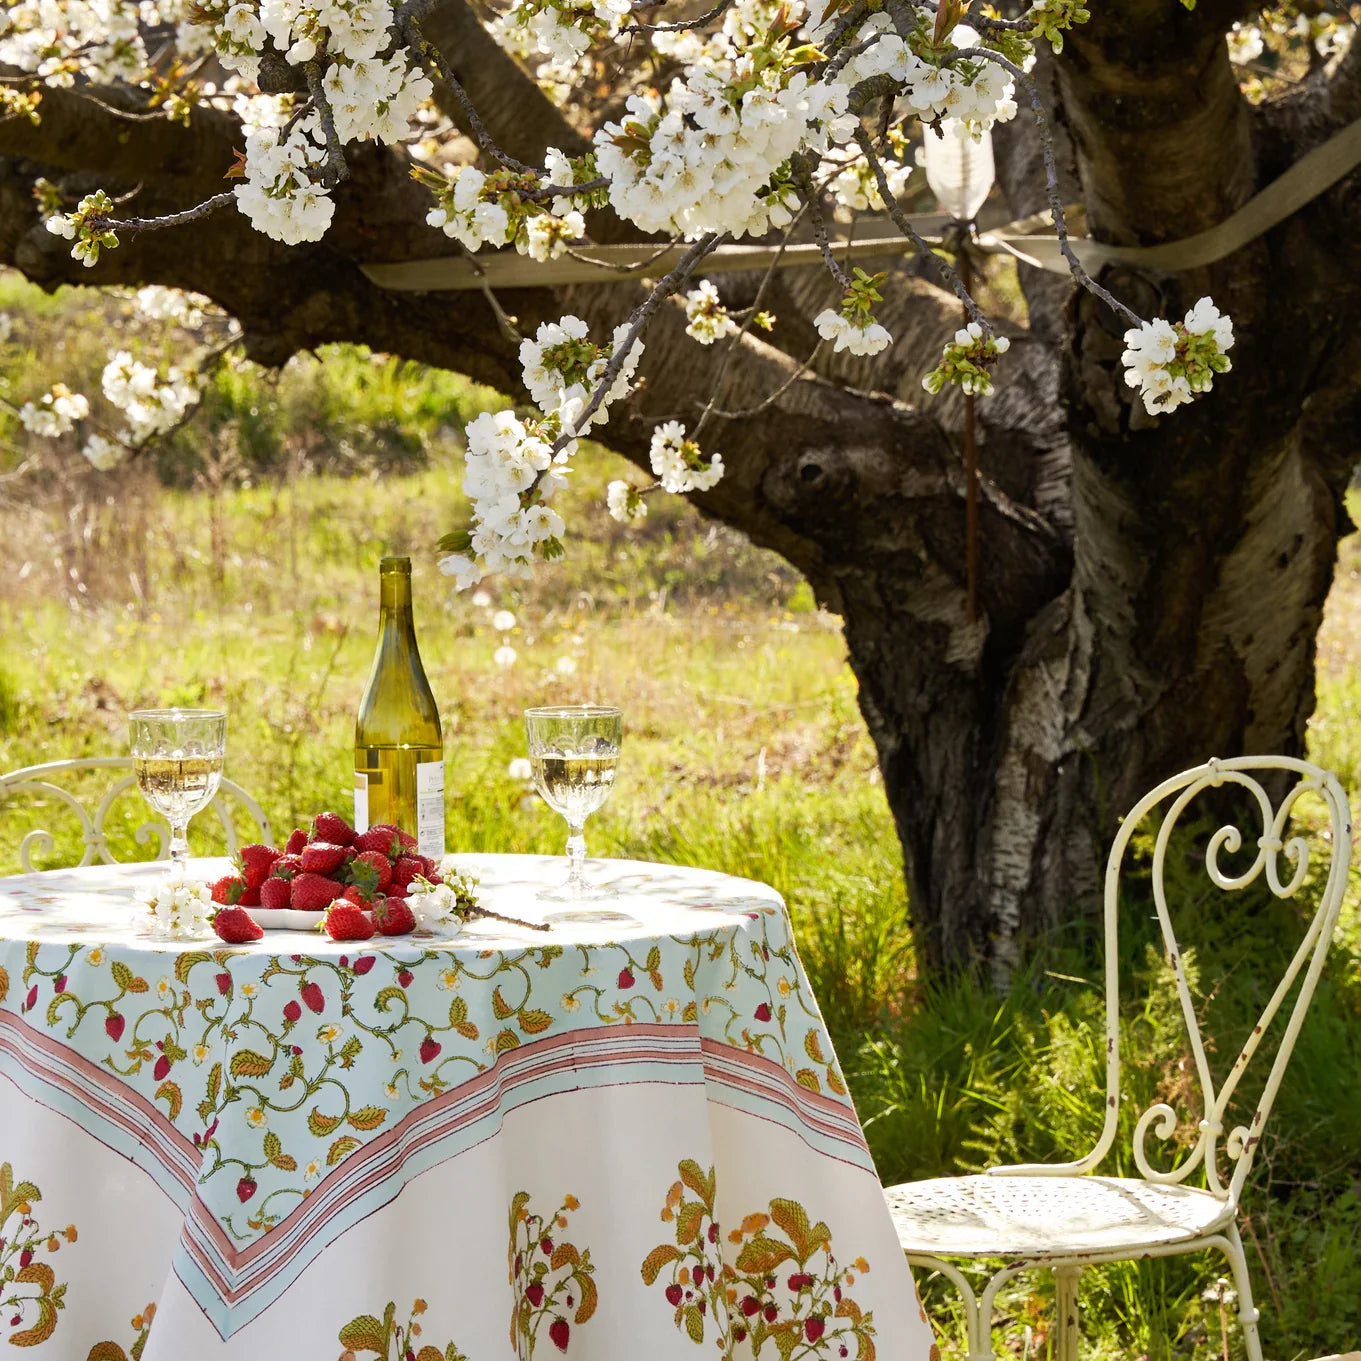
[(242, 572)]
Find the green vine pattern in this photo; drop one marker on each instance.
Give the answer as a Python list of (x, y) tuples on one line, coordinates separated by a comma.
[(385, 1338), (278, 1067), (30, 1295), (783, 1286), (552, 1280)]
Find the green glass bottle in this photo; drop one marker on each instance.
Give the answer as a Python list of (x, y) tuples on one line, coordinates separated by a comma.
[(398, 744)]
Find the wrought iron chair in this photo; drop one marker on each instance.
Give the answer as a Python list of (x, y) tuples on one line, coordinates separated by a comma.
[(38, 781), (1063, 1216)]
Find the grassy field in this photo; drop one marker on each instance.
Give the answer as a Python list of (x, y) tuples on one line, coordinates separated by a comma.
[(252, 584)]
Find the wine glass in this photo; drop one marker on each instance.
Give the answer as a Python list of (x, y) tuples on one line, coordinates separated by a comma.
[(178, 754), (574, 753)]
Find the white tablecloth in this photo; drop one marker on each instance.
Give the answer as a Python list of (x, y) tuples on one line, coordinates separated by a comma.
[(626, 1139)]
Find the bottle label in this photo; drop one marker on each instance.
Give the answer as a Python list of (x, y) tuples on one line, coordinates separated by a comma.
[(430, 808), (361, 801)]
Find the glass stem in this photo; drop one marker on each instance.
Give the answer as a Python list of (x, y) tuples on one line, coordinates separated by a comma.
[(179, 842), (576, 857)]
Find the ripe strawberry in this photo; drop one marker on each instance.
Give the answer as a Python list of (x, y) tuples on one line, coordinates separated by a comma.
[(384, 838), (297, 839), (286, 867), (345, 921), (405, 870), (275, 893), (228, 889), (371, 864), (321, 857), (358, 895), (398, 890), (393, 916), (236, 926), (407, 840), (250, 897), (256, 862), (314, 892), (333, 828)]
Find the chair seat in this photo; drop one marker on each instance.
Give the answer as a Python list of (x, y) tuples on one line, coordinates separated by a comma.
[(1039, 1217)]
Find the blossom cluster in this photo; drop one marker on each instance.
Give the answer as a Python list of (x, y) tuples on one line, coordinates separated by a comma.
[(679, 464), (89, 227), (444, 907), (1171, 362), (967, 361), (712, 155), (853, 326), (55, 413), (563, 29), (478, 209), (977, 91), (179, 905), (282, 193), (706, 319)]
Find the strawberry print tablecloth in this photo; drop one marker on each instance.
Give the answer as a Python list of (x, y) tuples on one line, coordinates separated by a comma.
[(626, 1138)]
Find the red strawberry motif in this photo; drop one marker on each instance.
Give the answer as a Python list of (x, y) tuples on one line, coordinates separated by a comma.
[(333, 828), (559, 1332), (313, 996), (224, 983), (296, 841), (625, 979), (114, 1025), (534, 1294), (32, 999), (763, 1012), (405, 977), (546, 1246), (25, 1257), (292, 1012), (245, 1189), (673, 1294), (364, 963), (59, 984), (256, 861), (158, 1073), (713, 1238), (771, 1313), (430, 1047), (813, 1328), (275, 894), (740, 1334), (751, 1305)]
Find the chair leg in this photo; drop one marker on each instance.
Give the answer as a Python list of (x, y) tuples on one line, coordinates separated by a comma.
[(977, 1313), (1066, 1331), (1232, 1247)]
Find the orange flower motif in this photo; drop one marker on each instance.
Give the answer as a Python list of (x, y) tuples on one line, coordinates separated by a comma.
[(755, 1223), (419, 1307), (70, 1233), (684, 1276), (572, 1202), (861, 1265)]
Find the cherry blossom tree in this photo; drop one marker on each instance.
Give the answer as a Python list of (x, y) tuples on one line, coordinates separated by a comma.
[(1145, 583)]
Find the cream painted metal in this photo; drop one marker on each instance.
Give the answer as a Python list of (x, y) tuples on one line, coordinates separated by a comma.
[(39, 781), (1064, 1216)]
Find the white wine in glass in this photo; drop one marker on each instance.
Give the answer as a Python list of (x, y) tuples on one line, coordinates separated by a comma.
[(574, 754), (178, 755)]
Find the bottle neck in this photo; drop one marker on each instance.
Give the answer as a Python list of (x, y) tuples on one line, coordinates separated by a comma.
[(394, 601)]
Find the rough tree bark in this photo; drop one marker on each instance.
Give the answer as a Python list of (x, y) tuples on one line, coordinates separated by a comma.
[(1151, 588)]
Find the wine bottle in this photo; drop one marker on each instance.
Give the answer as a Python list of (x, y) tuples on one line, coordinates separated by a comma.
[(398, 744)]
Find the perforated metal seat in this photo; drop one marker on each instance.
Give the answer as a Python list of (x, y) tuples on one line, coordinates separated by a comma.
[(1063, 1216), (1042, 1217)]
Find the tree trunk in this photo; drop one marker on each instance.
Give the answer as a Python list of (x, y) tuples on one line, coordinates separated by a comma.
[(1151, 589)]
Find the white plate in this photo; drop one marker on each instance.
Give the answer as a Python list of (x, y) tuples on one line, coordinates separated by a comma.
[(286, 918)]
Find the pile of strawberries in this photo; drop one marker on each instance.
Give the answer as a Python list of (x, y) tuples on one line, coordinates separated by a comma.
[(358, 880)]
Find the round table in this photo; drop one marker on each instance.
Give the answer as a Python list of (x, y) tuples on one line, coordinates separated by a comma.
[(623, 1138)]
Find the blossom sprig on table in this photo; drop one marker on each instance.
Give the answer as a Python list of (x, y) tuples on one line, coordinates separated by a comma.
[(179, 905), (446, 907), (967, 361), (1170, 362)]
